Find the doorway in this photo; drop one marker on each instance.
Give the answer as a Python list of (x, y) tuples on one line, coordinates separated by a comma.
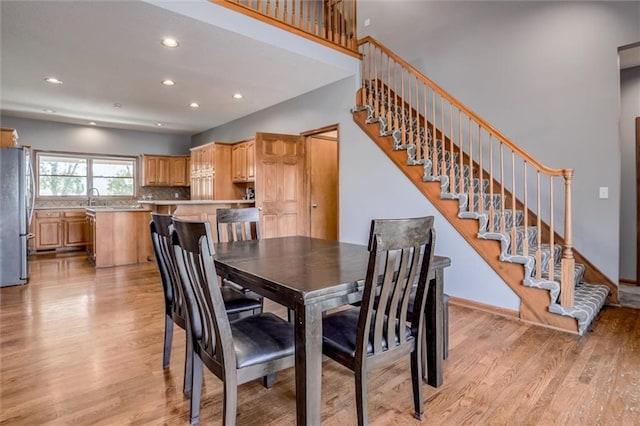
[(629, 267), (323, 182)]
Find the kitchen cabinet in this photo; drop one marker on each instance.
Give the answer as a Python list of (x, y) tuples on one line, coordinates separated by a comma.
[(211, 172), (179, 171), (155, 170), (75, 229), (60, 229), (165, 170), (48, 230), (243, 162), (119, 237), (8, 137)]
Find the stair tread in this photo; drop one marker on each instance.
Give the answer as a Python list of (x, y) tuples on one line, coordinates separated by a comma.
[(588, 299)]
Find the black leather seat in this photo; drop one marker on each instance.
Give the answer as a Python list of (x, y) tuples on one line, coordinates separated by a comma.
[(235, 351), (235, 301), (401, 253)]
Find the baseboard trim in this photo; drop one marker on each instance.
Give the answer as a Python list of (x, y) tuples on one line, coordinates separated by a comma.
[(627, 281), (472, 304)]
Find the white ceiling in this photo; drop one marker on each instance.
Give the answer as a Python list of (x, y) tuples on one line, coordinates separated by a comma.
[(109, 52)]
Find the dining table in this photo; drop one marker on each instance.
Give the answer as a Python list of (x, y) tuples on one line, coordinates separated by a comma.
[(310, 276)]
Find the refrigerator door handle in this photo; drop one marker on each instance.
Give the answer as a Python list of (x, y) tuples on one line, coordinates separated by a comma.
[(32, 184)]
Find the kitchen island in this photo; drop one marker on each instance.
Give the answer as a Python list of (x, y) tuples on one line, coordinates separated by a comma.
[(118, 235), (204, 210)]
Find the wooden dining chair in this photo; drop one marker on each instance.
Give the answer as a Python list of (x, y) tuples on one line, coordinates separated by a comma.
[(238, 224), (376, 333), (235, 351), (175, 308)]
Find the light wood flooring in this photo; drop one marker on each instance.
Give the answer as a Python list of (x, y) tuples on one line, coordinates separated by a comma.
[(84, 347)]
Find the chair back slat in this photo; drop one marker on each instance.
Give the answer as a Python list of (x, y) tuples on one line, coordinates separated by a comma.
[(195, 262), (238, 224), (165, 258), (401, 251)]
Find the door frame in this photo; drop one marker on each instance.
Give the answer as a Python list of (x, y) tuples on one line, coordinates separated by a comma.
[(637, 200), (307, 140)]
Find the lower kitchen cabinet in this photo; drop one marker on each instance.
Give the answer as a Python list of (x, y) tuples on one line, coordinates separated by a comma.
[(60, 229), (119, 237)]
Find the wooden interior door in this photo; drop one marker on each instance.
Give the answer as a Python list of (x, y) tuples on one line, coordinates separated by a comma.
[(323, 186), (280, 164)]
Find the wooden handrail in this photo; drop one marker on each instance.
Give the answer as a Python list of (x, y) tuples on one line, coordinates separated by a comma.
[(388, 87), (476, 117), (329, 22)]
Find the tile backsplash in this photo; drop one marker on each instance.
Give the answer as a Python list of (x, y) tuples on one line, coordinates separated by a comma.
[(145, 192)]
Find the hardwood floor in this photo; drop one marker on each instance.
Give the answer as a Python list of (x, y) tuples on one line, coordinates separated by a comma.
[(80, 346)]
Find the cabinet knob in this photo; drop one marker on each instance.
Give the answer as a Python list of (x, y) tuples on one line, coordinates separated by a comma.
[(314, 205), (259, 208)]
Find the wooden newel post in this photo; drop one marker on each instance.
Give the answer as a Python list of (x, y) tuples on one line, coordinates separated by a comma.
[(568, 262)]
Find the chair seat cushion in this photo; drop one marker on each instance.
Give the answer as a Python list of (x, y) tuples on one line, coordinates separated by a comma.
[(340, 330), (261, 338), (236, 301)]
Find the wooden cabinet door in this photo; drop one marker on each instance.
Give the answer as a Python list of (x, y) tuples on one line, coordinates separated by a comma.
[(164, 171), (91, 240), (280, 184), (179, 169), (208, 158), (239, 162), (149, 170), (48, 231), (76, 232), (251, 161)]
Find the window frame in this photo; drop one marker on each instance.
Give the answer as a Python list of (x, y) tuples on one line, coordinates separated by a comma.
[(89, 177)]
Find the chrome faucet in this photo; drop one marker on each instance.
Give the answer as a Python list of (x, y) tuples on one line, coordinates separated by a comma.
[(91, 191)]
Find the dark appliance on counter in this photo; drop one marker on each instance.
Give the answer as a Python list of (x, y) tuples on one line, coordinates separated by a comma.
[(16, 202)]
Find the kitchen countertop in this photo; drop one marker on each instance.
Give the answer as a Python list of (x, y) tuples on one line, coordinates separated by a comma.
[(193, 202), (112, 209)]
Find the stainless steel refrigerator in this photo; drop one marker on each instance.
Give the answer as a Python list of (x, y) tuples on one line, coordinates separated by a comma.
[(16, 205)]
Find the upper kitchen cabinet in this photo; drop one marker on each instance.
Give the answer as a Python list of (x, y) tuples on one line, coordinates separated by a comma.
[(8, 137), (164, 170), (211, 172), (243, 164), (180, 173)]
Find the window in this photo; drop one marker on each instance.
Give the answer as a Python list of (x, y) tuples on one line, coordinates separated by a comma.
[(75, 175)]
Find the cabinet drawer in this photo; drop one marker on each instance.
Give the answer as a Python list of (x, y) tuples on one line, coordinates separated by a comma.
[(75, 214), (48, 215)]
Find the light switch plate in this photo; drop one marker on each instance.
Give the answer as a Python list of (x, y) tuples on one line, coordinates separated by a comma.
[(604, 192), (367, 22)]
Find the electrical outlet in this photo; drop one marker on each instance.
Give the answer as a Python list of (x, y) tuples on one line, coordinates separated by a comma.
[(176, 195), (604, 192)]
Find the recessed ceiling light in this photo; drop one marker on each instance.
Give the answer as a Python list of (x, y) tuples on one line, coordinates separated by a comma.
[(169, 42), (53, 80), (237, 96), (117, 105), (50, 111), (92, 123), (159, 124), (194, 105), (168, 82)]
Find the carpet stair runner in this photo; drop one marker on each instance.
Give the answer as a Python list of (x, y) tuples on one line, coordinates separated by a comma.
[(588, 298)]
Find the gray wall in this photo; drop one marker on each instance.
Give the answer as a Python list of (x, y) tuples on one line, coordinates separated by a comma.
[(629, 110), (544, 73), (49, 135), (370, 185)]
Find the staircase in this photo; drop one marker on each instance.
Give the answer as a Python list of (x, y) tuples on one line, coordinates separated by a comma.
[(501, 200)]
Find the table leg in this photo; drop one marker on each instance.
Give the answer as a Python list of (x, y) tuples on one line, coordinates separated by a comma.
[(308, 329), (434, 329)]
